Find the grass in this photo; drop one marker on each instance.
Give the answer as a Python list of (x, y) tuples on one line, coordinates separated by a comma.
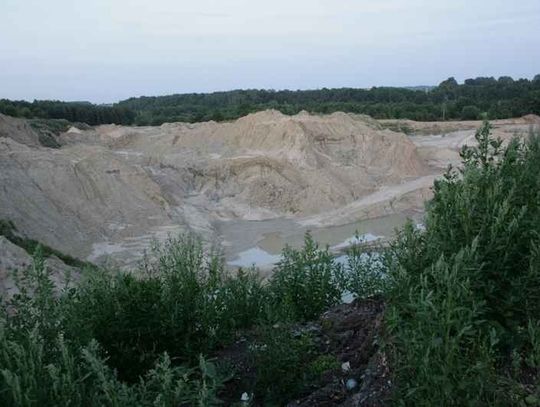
[(397, 126)]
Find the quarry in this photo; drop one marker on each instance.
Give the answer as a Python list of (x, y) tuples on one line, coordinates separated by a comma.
[(247, 187)]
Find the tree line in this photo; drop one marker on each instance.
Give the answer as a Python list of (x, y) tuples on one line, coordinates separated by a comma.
[(83, 112), (475, 98)]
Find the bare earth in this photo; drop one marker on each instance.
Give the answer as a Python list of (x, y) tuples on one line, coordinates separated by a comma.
[(108, 192)]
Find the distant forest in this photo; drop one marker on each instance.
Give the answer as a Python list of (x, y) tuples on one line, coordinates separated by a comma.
[(498, 98), (83, 112)]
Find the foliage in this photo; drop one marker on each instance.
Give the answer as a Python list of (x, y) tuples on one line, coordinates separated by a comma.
[(283, 362), (185, 304), (465, 293), (118, 338), (41, 364), (48, 130), (305, 282), (83, 112), (502, 98), (9, 231), (365, 271)]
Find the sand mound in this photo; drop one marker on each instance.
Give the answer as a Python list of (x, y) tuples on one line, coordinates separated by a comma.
[(112, 189), (531, 118), (18, 130)]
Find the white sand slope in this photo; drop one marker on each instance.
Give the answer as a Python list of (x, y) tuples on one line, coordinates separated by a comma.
[(109, 191)]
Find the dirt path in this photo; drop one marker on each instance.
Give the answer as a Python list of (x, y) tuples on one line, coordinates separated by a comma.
[(370, 206)]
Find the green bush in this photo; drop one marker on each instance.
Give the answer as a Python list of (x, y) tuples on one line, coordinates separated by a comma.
[(365, 271), (470, 113), (118, 338), (184, 303), (464, 293), (305, 282), (44, 363)]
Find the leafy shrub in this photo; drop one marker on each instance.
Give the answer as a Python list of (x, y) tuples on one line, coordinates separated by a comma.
[(470, 113), (48, 130), (365, 271), (118, 338), (305, 282), (42, 363), (464, 294), (184, 304)]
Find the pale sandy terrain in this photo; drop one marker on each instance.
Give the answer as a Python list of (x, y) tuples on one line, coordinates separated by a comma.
[(108, 192)]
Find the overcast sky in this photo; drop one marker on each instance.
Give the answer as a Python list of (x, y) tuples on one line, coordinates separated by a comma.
[(107, 50)]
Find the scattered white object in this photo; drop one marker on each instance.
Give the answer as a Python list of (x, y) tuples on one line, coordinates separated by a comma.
[(347, 297), (75, 130), (245, 397), (351, 384), (346, 366)]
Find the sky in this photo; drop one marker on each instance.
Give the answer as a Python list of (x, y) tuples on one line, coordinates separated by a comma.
[(108, 50)]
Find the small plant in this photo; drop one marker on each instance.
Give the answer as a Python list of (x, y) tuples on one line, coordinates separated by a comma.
[(320, 365), (305, 282), (365, 271)]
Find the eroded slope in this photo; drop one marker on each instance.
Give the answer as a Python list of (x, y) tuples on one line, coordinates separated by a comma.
[(110, 190)]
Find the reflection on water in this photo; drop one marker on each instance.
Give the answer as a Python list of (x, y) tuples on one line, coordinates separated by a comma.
[(255, 257), (263, 249), (273, 242)]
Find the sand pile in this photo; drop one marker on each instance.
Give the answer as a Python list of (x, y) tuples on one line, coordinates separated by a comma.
[(112, 189), (18, 130)]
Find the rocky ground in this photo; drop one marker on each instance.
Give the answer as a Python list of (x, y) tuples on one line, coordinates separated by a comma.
[(348, 332)]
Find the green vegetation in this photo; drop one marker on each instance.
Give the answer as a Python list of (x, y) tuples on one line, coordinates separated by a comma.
[(464, 296), (462, 321), (83, 112), (498, 98), (305, 283), (48, 130), (9, 231), (122, 339), (502, 98), (283, 362)]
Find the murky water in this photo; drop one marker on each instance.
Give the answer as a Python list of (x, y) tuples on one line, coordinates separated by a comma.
[(255, 256), (259, 243)]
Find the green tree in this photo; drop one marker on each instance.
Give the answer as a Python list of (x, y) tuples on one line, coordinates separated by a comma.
[(470, 112)]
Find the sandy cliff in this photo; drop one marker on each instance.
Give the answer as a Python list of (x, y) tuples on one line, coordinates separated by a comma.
[(110, 190)]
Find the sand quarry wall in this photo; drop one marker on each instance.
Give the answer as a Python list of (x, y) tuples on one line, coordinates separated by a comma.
[(112, 188)]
